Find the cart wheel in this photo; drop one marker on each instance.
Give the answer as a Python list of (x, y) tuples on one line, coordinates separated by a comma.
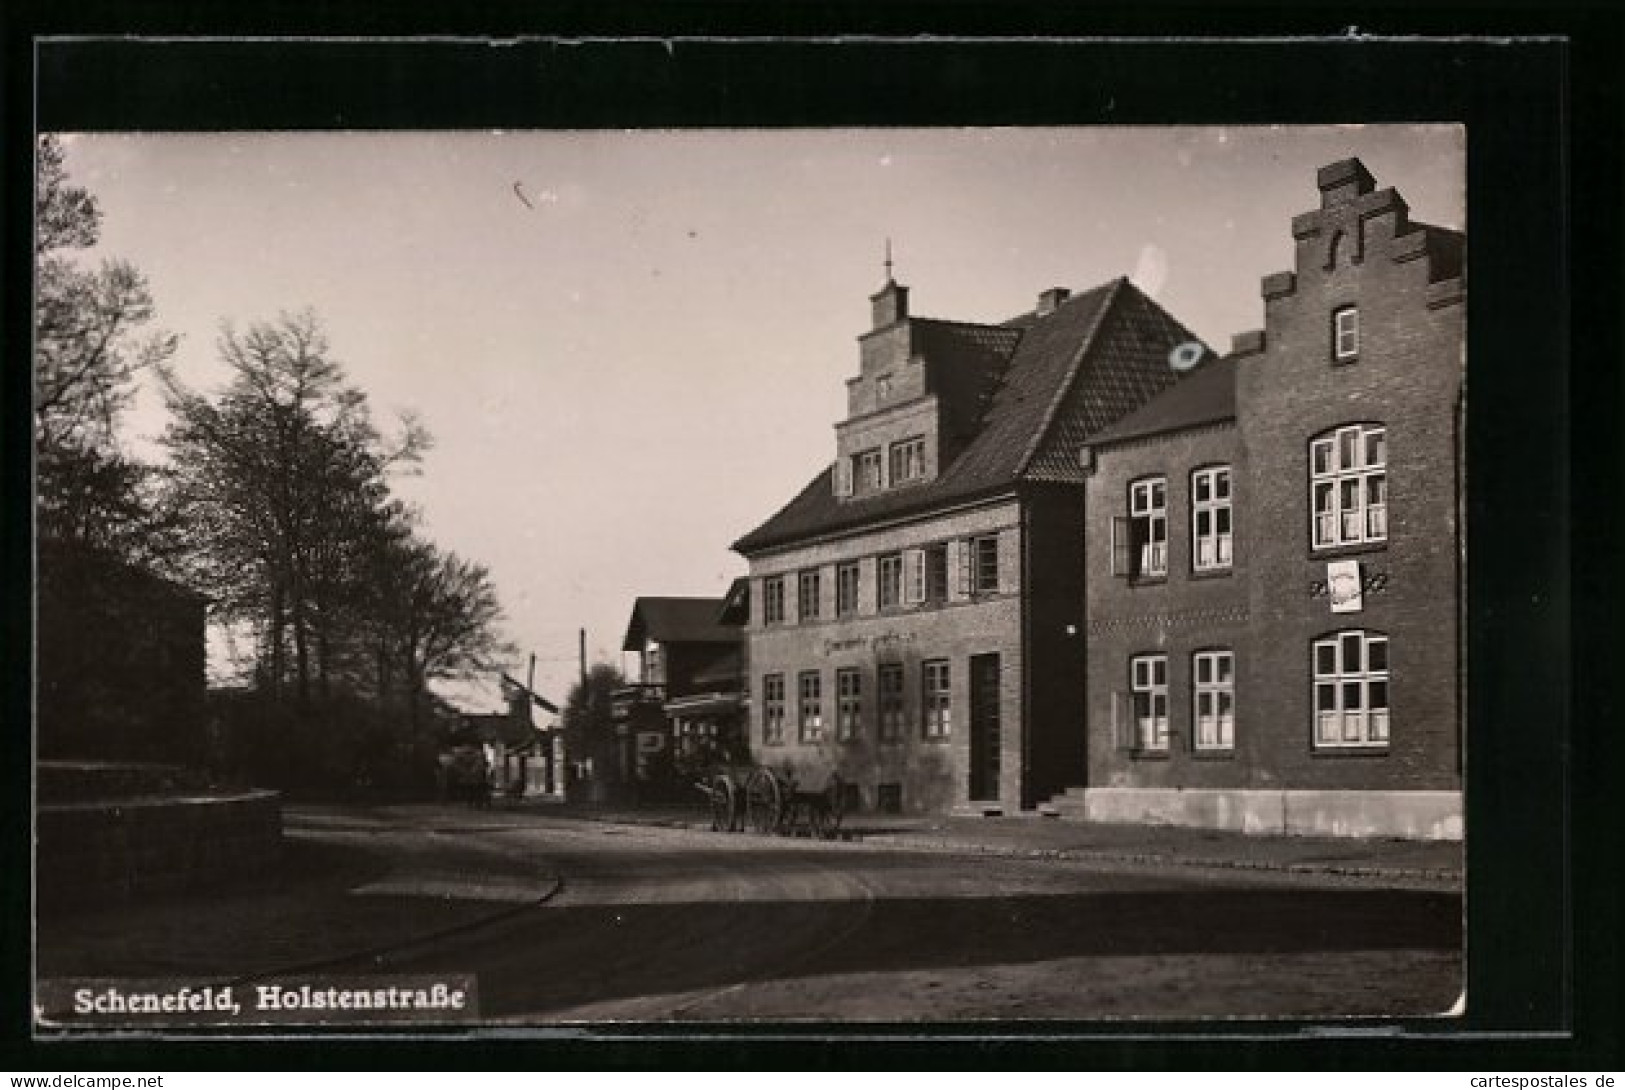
[(764, 801), (722, 804), (834, 807)]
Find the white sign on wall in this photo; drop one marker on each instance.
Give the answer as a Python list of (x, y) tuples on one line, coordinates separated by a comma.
[(1343, 585)]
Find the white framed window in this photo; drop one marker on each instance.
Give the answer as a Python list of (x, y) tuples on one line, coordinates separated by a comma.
[(883, 387), (1348, 485), (889, 581), (772, 709), (1345, 333), (846, 588), (808, 586), (849, 704), (773, 600), (1148, 525), (810, 689), (1214, 689), (889, 682), (1351, 690), (936, 699), (1210, 518), (866, 469), (908, 460), (1148, 682)]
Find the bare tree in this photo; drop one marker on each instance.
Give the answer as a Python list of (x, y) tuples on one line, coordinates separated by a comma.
[(89, 347), (284, 479)]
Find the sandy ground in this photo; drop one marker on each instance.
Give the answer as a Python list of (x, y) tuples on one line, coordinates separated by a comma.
[(565, 921)]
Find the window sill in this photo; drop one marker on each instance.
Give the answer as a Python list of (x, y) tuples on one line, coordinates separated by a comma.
[(1348, 752), (937, 739), (1337, 552), (1150, 754), (1212, 573), (1147, 580), (1214, 754)]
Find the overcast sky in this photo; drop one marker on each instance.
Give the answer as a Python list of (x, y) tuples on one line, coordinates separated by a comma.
[(631, 347)]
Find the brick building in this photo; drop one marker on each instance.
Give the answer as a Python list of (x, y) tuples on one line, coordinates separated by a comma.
[(916, 612), (1274, 552), (121, 658)]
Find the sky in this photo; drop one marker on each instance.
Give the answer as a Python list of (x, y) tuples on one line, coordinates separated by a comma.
[(631, 347)]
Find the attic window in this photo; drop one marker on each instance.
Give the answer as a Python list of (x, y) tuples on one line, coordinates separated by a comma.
[(1345, 334), (883, 387)]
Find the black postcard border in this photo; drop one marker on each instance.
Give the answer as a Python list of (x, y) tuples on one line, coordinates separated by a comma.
[(1542, 112)]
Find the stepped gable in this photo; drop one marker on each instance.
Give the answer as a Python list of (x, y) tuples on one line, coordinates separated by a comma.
[(1093, 357)]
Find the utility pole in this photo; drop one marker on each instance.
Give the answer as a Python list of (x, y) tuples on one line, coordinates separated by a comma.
[(583, 658)]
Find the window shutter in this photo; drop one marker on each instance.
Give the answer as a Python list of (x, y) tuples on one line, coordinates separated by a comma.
[(1123, 551), (1122, 721), (913, 576), (843, 476), (966, 578)]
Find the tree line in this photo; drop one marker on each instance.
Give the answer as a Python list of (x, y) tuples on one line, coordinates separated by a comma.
[(274, 497)]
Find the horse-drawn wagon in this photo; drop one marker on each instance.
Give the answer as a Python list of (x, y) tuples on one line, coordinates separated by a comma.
[(765, 801)]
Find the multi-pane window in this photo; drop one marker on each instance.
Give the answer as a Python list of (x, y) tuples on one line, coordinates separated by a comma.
[(773, 600), (849, 707), (1148, 520), (1148, 678), (846, 589), (907, 460), (936, 573), (889, 582), (807, 592), (772, 709), (1351, 689), (866, 471), (1345, 333), (1215, 707), (889, 680), (1210, 518), (936, 701), (983, 559), (1348, 481), (810, 689)]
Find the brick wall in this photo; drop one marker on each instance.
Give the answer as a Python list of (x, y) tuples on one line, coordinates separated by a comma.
[(1174, 616), (1358, 250), (933, 775)]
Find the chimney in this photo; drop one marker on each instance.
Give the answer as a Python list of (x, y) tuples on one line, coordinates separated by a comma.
[(889, 304), (1342, 181), (1050, 301)]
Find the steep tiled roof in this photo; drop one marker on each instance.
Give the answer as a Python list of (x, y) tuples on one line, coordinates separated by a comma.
[(1061, 368), (1205, 395), (677, 620), (1124, 371)]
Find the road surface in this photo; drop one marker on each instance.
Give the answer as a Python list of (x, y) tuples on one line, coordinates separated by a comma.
[(601, 922)]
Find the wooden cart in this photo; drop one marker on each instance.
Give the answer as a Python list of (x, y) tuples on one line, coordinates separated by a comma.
[(768, 801)]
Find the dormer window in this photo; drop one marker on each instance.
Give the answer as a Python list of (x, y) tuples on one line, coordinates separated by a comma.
[(1345, 334), (908, 460), (866, 471)]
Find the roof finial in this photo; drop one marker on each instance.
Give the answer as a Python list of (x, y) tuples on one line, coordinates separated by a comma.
[(888, 261)]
